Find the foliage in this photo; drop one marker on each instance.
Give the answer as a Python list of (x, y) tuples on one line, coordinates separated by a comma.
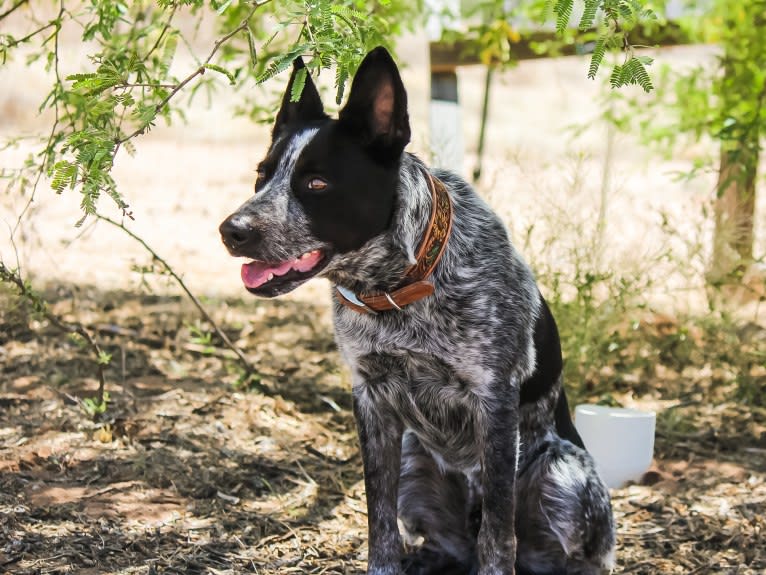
[(614, 342), (76, 331), (720, 101), (599, 310), (132, 81), (95, 406), (702, 101), (605, 24)]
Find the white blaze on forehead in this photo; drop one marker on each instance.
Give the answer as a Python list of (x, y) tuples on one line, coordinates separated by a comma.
[(293, 151), (278, 187)]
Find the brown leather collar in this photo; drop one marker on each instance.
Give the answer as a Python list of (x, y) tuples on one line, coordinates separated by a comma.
[(414, 286)]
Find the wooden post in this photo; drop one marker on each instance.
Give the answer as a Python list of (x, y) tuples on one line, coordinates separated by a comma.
[(446, 120)]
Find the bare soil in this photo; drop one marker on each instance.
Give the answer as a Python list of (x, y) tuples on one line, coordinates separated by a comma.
[(189, 473)]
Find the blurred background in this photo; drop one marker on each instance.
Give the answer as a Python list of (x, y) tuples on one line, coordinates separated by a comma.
[(166, 440)]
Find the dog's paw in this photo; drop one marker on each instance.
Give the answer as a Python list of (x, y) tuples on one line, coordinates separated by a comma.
[(387, 570), (497, 571)]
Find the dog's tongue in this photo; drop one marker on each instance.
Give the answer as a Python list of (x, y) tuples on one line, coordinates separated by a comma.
[(256, 273)]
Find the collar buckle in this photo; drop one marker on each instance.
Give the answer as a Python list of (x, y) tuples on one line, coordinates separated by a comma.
[(351, 297)]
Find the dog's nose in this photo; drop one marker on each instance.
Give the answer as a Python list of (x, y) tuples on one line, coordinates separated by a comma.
[(237, 233)]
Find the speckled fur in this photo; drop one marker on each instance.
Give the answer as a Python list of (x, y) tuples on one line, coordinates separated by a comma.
[(465, 434), (442, 378)]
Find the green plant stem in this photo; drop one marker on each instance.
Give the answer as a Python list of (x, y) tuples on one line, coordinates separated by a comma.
[(40, 305), (28, 37), (12, 9), (165, 28), (56, 121), (224, 338)]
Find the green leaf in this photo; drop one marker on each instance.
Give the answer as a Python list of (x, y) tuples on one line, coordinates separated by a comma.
[(598, 56), (615, 78), (281, 63), (251, 47), (64, 174), (588, 16), (168, 52), (341, 77), (563, 10), (298, 83), (222, 8), (639, 75), (632, 72), (221, 70)]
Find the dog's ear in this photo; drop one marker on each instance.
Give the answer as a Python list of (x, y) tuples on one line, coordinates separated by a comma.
[(308, 108), (376, 110)]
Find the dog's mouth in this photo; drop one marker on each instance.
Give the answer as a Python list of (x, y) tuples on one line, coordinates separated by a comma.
[(274, 278)]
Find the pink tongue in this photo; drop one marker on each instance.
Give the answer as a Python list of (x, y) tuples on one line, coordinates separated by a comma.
[(256, 273)]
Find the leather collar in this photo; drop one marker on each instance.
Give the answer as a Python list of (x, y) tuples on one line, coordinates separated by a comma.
[(415, 285)]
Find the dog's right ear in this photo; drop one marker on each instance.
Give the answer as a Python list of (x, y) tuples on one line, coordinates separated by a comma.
[(376, 110), (308, 108)]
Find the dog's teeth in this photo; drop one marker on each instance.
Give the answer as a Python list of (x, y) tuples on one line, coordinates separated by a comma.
[(306, 255), (271, 277)]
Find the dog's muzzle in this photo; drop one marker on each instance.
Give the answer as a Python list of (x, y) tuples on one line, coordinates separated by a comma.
[(238, 234)]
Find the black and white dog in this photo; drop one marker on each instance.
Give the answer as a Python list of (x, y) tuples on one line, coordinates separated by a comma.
[(471, 461)]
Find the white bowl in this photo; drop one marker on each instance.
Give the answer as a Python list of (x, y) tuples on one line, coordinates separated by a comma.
[(620, 440)]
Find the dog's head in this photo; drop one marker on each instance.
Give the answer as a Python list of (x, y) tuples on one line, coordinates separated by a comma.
[(326, 186)]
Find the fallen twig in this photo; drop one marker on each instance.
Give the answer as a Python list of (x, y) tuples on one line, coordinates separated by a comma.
[(223, 337), (41, 306)]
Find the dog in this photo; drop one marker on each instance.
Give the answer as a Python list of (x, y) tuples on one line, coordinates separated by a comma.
[(471, 461)]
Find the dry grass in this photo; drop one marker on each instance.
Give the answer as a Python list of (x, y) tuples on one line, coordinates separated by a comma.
[(187, 475)]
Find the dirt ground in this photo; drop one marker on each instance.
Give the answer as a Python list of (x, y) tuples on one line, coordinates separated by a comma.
[(189, 472)]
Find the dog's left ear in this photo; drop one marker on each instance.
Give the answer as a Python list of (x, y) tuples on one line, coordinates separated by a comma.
[(376, 110), (308, 108)]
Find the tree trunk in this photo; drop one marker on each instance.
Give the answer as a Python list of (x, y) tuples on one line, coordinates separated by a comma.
[(734, 211)]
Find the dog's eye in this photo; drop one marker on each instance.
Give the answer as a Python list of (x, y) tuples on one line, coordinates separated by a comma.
[(316, 184), (260, 177)]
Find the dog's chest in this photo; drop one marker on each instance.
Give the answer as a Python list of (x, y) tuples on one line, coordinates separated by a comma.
[(430, 386), (439, 405), (431, 369)]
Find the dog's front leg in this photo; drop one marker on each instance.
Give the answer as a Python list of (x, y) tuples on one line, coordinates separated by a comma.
[(500, 439), (380, 437)]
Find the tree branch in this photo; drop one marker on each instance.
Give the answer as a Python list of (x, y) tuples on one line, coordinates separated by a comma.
[(198, 72), (224, 338), (165, 28), (13, 9), (55, 125), (30, 35), (41, 306)]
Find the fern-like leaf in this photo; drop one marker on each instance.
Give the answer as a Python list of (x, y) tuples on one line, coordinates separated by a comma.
[(281, 63), (639, 75), (168, 52), (64, 174), (625, 9), (251, 47), (588, 15), (341, 77), (298, 83), (221, 70), (563, 10), (597, 57), (615, 80)]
